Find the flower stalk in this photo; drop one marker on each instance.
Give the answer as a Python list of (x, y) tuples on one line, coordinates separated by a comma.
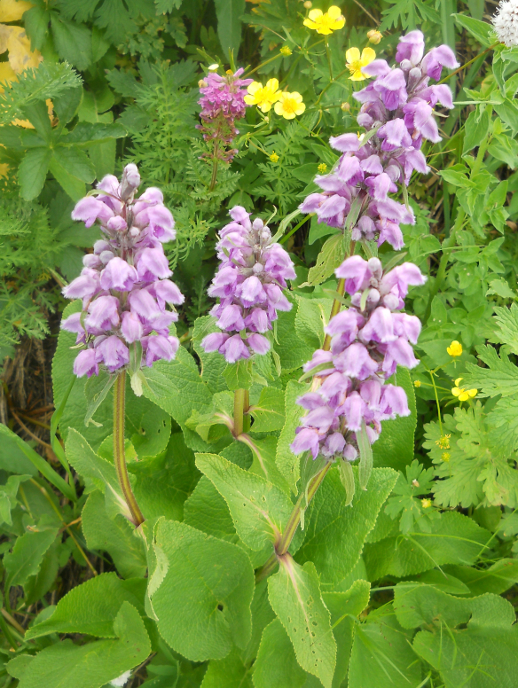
[(241, 405), (119, 404)]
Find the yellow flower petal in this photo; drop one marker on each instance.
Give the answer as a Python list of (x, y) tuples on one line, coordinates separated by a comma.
[(315, 14), (352, 55), (472, 392), (458, 381), (368, 55), (6, 73), (334, 12), (463, 396), (357, 75), (4, 171), (272, 84), (12, 10), (254, 87), (456, 391)]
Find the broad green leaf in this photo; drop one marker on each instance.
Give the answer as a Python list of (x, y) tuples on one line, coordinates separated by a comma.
[(293, 351), (238, 375), (477, 128), (212, 365), (312, 316), (259, 509), (37, 461), (335, 533), (73, 186), (498, 578), (276, 663), (294, 593), (202, 602), (96, 391), (32, 172), (228, 13), (454, 539), (38, 116), (287, 463), (478, 29), (268, 413), (91, 607), (90, 465), (72, 42), (444, 581), (329, 258), (505, 149), (85, 133), (382, 654), (92, 665), (8, 494), (230, 672), (75, 162), (420, 605), (178, 388), (115, 536), (472, 658), (395, 446), (26, 556), (345, 607), (264, 463), (162, 484)]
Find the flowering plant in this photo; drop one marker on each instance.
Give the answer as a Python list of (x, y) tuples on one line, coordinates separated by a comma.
[(295, 465)]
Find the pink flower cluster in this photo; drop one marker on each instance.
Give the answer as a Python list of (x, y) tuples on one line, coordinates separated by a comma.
[(222, 102), (369, 340), (398, 108), (249, 283), (124, 284)]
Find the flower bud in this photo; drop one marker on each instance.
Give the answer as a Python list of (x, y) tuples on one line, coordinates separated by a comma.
[(130, 182), (374, 36), (345, 107)]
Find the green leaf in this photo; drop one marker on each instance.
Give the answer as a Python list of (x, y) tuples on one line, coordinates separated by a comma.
[(382, 654), (498, 578), (238, 375), (96, 390), (501, 288), (293, 351), (86, 134), (329, 258), (164, 6), (92, 665), (32, 172), (202, 602), (294, 594), (345, 608), (335, 533), (76, 162), (476, 128), (287, 463), (420, 605), (178, 389), (38, 116), (454, 539), (505, 149), (276, 663), (268, 413), (347, 478), (395, 446), (365, 451), (231, 672), (501, 376), (115, 536), (91, 607), (228, 13), (73, 42), (259, 509), (73, 186), (38, 462), (26, 556), (478, 29), (214, 364)]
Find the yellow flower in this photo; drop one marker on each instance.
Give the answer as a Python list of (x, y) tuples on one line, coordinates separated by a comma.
[(446, 456), (325, 23), (355, 62), (374, 36), (289, 105), (455, 349), (461, 393), (274, 157), (417, 383), (345, 107), (263, 96), (443, 442), (285, 50), (427, 503), (322, 168)]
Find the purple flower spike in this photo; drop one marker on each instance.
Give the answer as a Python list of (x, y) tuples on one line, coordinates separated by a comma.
[(368, 341), (124, 283), (398, 111), (249, 283)]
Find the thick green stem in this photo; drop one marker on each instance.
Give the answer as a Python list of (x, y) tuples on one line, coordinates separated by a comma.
[(328, 53), (119, 403), (241, 405), (215, 163), (291, 527)]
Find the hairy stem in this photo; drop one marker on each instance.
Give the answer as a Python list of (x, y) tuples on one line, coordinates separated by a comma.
[(241, 404), (292, 525), (119, 403)]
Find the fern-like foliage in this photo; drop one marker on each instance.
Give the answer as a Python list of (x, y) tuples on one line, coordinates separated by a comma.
[(49, 80)]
